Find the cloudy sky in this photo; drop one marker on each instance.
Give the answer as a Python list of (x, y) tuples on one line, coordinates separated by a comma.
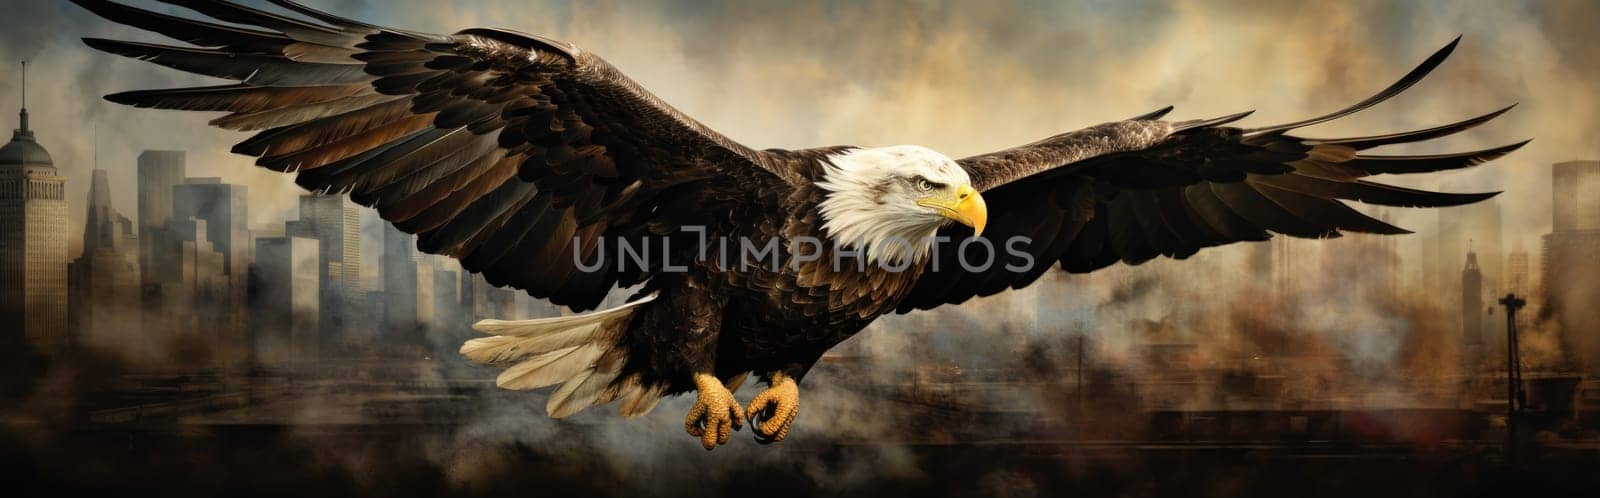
[(959, 77)]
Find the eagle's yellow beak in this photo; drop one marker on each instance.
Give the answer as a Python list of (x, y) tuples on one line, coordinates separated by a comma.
[(965, 207)]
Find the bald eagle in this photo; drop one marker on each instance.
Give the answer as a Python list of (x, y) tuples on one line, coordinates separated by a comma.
[(527, 158)]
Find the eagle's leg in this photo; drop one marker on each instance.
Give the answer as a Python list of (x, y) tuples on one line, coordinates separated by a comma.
[(715, 414), (772, 412)]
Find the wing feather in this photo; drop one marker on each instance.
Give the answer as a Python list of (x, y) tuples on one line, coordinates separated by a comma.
[(236, 98), (494, 147), (1405, 82), (1173, 188), (292, 115), (252, 69), (1363, 143), (186, 30)]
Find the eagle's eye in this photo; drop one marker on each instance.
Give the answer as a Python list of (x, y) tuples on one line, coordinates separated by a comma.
[(924, 185)]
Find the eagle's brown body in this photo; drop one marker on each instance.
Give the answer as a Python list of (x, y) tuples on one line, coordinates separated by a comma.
[(748, 318)]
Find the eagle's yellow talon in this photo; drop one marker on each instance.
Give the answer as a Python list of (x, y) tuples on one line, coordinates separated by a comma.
[(776, 409), (715, 414)]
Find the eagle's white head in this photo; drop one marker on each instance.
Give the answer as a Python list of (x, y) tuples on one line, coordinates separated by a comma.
[(889, 202)]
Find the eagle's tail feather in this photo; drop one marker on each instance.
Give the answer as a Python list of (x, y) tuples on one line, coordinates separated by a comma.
[(583, 353)]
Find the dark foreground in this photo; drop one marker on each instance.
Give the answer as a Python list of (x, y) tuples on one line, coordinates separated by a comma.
[(354, 431), (257, 460)]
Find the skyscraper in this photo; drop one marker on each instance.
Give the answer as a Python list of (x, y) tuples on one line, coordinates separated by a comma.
[(1571, 281), (475, 303), (335, 222), (1476, 227), (159, 172), (105, 279), (1575, 186), (222, 213), (196, 297), (480, 300), (447, 300), (543, 308), (105, 227), (1517, 271), (185, 288), (226, 215), (1472, 310), (284, 284), (408, 289), (33, 242)]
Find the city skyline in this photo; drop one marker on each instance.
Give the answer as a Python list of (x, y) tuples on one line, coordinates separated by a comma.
[(187, 269)]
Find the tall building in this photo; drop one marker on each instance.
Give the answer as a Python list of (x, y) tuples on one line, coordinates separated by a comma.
[(191, 291), (480, 300), (1575, 186), (1517, 271), (164, 293), (1571, 273), (543, 308), (225, 211), (1472, 310), (159, 172), (1475, 227), (285, 282), (1517, 282), (447, 300), (105, 279), (528, 307), (33, 242), (408, 289), (200, 262), (335, 222)]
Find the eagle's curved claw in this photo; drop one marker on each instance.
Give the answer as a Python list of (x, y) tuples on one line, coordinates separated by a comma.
[(773, 411), (715, 414)]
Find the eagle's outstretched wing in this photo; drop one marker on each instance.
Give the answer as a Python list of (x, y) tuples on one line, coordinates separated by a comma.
[(494, 147), (1133, 190)]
